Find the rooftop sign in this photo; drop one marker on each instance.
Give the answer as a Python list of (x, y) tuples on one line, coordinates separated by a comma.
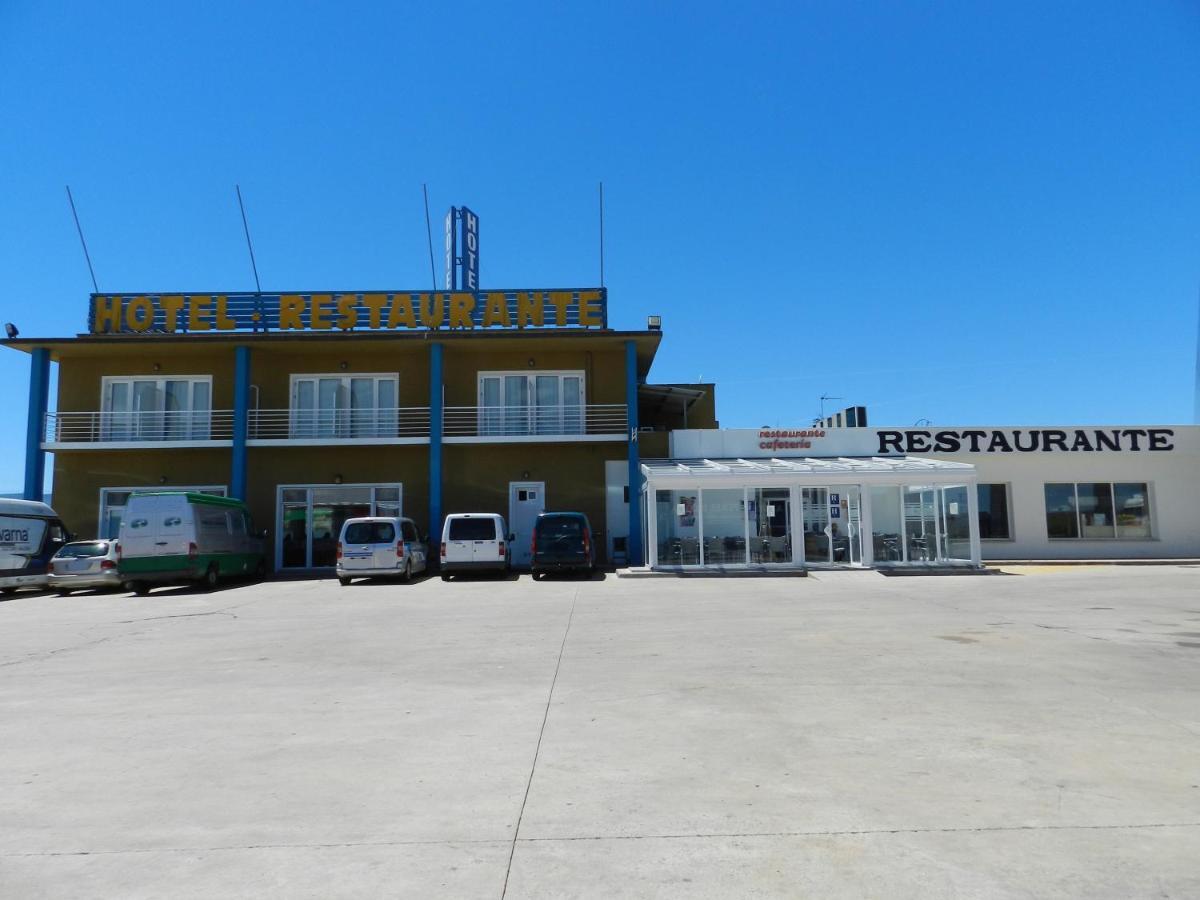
[(352, 311)]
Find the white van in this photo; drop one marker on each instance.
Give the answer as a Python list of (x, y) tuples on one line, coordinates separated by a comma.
[(30, 534), (474, 542), (169, 537), (377, 546)]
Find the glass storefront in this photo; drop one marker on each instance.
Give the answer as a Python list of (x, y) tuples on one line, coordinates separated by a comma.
[(311, 518), (798, 523)]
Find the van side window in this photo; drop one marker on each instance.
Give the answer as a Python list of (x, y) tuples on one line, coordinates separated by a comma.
[(237, 523), (139, 523), (408, 530), (171, 521), (58, 533), (212, 520)]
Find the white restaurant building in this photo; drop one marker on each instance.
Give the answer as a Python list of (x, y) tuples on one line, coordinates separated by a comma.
[(933, 496)]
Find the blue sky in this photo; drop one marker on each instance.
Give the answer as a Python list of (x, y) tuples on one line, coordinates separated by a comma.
[(967, 213)]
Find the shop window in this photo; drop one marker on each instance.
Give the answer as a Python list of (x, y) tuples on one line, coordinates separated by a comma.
[(156, 409), (1098, 511), (994, 521), (519, 403), (344, 406)]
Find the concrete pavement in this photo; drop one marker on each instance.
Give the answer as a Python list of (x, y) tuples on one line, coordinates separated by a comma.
[(845, 735)]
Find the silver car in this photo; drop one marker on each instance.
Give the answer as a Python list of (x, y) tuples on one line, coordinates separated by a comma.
[(80, 565)]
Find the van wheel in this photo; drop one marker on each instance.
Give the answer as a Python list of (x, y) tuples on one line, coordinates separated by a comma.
[(445, 576), (260, 571), (7, 592), (406, 575), (344, 582), (140, 588), (63, 592), (211, 577)]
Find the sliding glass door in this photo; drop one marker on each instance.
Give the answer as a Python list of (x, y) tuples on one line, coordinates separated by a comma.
[(344, 406), (512, 403), (156, 409)]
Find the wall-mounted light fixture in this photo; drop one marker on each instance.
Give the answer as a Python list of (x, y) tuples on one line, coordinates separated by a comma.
[(654, 323), (337, 479), (531, 362), (343, 365), (162, 479), (11, 330), (158, 367), (525, 475)]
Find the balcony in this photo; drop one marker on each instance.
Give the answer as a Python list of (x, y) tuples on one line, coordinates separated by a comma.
[(308, 427), (534, 424), (320, 427), (117, 430)]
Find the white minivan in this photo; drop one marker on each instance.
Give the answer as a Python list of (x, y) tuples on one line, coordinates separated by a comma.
[(380, 546), (474, 542)]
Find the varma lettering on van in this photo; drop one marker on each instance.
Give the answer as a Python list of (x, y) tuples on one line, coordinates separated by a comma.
[(168, 537), (30, 534)]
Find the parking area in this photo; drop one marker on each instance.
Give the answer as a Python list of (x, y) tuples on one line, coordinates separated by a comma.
[(844, 735)]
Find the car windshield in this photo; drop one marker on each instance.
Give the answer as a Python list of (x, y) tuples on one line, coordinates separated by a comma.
[(559, 526), (370, 533), (89, 548), (472, 529)]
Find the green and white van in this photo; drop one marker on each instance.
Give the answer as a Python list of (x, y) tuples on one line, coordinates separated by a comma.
[(168, 537)]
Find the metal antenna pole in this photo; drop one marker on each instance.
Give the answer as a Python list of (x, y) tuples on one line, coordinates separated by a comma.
[(602, 234), (87, 256), (825, 397), (429, 234), (250, 246)]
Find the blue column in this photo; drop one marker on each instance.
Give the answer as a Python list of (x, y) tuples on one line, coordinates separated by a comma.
[(634, 542), (39, 397), (435, 442), (241, 421)]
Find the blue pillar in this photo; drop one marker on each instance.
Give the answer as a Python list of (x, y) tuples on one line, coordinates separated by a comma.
[(39, 397), (435, 442), (634, 542), (241, 421)]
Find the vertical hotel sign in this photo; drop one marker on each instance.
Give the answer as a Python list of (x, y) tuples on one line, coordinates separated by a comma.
[(462, 249)]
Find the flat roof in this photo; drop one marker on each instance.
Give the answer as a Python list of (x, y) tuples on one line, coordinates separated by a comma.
[(690, 469), (99, 344)]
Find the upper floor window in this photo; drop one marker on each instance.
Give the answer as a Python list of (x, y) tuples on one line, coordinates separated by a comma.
[(344, 406), (156, 409), (518, 403)]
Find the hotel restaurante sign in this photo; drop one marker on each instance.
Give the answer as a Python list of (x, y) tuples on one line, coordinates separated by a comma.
[(351, 311)]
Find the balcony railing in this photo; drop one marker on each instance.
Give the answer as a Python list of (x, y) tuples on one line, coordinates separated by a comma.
[(339, 424), (536, 422), (476, 423), (138, 427)]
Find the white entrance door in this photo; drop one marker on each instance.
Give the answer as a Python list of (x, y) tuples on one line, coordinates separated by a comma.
[(526, 499)]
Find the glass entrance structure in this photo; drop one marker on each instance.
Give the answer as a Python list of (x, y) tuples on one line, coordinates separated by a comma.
[(799, 513)]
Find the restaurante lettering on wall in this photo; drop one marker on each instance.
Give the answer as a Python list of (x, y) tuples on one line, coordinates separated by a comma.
[(1031, 440)]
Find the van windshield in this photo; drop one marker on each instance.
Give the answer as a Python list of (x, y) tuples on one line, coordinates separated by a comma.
[(559, 526), (370, 533), (472, 529)]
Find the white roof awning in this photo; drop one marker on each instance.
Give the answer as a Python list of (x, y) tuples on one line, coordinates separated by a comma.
[(901, 469)]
